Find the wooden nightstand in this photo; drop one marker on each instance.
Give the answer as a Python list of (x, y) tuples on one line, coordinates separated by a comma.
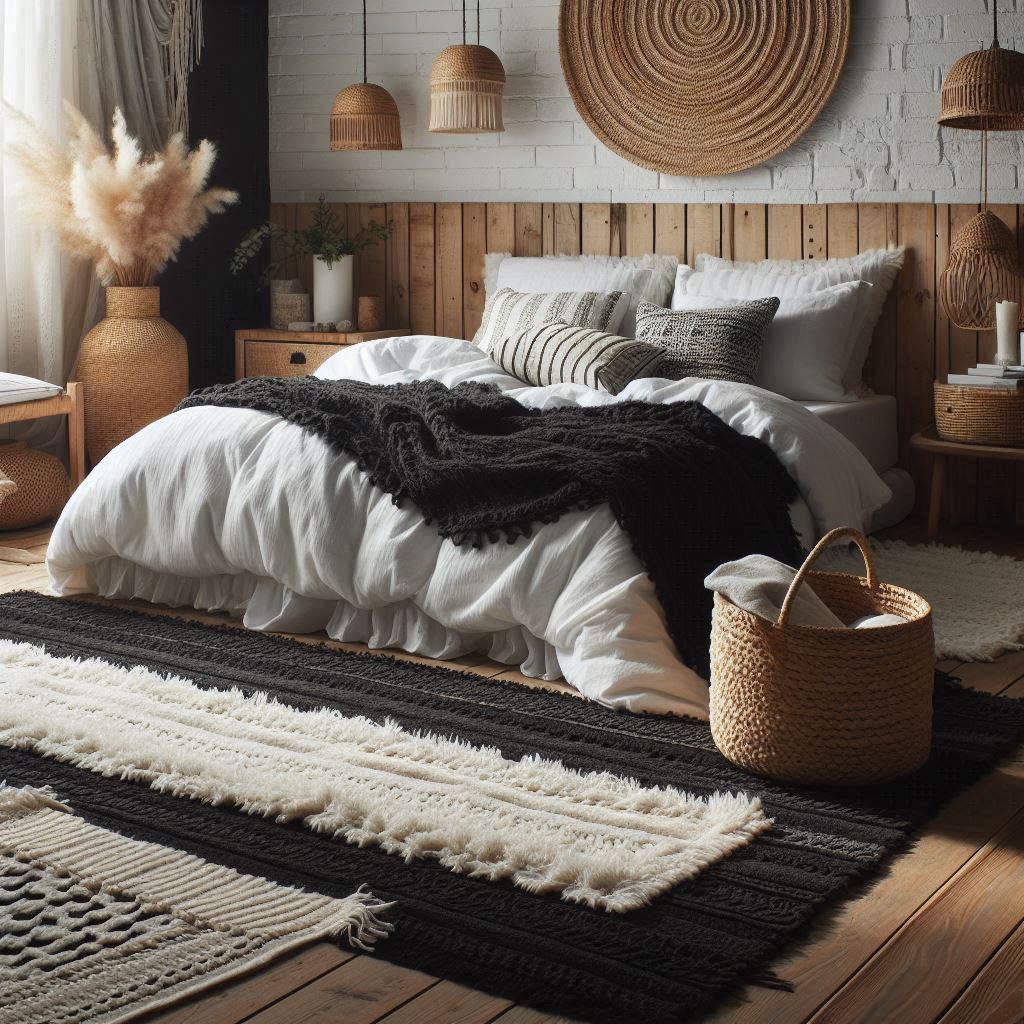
[(928, 441), (263, 352)]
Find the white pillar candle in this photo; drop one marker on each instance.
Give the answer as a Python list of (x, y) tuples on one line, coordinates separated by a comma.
[(1007, 335)]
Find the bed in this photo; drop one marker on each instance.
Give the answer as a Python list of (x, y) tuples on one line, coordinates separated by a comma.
[(241, 511), (870, 425)]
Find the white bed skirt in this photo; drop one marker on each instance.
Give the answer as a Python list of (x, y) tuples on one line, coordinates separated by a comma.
[(265, 604)]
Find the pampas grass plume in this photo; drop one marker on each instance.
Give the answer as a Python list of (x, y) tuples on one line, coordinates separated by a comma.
[(124, 210)]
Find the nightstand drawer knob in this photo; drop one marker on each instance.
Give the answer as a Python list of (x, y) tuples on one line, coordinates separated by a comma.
[(298, 358)]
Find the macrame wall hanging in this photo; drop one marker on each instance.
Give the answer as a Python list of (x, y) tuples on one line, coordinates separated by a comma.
[(181, 55), (701, 87)]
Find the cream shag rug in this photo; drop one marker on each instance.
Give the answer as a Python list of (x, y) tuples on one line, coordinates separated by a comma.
[(96, 927), (977, 598), (595, 838)]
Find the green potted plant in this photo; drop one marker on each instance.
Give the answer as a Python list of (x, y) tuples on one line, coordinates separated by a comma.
[(331, 245)]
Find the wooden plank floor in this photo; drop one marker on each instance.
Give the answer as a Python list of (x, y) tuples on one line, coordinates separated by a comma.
[(939, 939)]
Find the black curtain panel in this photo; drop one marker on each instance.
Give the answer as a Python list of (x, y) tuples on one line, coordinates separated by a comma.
[(228, 104)]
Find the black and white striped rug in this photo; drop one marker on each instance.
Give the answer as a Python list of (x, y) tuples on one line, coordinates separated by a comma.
[(680, 955)]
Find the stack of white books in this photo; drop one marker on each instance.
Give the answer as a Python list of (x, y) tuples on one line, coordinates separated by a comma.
[(990, 375)]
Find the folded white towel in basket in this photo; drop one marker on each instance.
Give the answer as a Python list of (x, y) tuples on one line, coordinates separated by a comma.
[(758, 584)]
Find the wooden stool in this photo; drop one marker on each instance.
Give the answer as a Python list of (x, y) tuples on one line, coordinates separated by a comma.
[(72, 405), (929, 442)]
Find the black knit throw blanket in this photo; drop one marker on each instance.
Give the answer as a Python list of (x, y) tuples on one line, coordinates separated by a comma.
[(689, 490)]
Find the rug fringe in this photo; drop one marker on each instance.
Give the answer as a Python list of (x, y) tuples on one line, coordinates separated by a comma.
[(38, 829), (18, 800), (768, 979)]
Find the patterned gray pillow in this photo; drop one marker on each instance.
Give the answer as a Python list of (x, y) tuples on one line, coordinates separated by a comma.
[(561, 353), (718, 344)]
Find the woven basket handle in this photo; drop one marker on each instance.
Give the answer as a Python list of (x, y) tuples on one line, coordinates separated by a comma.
[(833, 535)]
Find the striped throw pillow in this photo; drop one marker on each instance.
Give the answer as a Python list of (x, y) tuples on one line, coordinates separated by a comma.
[(509, 312), (717, 344), (563, 354)]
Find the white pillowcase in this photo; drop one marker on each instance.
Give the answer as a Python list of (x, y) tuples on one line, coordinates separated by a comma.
[(807, 346), (16, 388), (761, 278), (640, 278)]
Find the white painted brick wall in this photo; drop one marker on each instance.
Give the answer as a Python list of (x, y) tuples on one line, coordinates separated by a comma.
[(876, 141)]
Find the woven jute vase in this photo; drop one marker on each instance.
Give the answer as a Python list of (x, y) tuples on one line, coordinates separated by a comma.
[(817, 705), (41, 483), (133, 366)]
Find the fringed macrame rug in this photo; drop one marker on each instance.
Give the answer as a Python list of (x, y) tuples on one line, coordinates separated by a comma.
[(695, 942), (96, 927)]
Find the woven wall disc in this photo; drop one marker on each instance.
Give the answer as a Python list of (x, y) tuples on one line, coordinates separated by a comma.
[(700, 87)]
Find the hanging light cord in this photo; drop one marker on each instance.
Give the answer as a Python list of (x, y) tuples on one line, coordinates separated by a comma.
[(995, 23), (364, 42), (464, 21), (984, 168)]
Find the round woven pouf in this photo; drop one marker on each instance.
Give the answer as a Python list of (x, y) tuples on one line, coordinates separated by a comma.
[(700, 87), (42, 486), (133, 366)]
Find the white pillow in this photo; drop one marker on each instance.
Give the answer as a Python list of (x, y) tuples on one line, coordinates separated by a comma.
[(879, 267), (807, 346), (16, 388), (641, 278)]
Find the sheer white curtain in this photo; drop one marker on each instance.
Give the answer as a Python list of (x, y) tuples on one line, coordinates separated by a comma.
[(47, 299), (97, 54)]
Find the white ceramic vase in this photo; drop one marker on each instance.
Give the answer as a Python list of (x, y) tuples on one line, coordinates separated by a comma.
[(332, 290)]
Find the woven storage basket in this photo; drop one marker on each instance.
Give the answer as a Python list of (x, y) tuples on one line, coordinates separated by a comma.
[(979, 415), (41, 486), (812, 704)]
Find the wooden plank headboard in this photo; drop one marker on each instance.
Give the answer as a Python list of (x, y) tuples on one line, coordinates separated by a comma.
[(431, 272)]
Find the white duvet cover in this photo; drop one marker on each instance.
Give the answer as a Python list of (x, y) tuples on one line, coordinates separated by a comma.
[(241, 511)]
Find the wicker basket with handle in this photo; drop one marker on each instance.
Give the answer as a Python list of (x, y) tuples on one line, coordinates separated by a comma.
[(815, 704), (979, 415)]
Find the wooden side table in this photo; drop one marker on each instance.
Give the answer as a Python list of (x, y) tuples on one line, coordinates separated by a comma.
[(929, 442), (70, 404), (263, 352)]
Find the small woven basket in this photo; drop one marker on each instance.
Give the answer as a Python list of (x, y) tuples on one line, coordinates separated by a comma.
[(979, 415), (40, 486), (821, 705)]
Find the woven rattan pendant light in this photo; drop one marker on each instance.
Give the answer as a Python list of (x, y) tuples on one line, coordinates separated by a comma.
[(365, 116), (983, 91), (466, 85)]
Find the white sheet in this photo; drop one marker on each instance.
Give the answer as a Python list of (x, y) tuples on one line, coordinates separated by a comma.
[(869, 423), (240, 510)]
